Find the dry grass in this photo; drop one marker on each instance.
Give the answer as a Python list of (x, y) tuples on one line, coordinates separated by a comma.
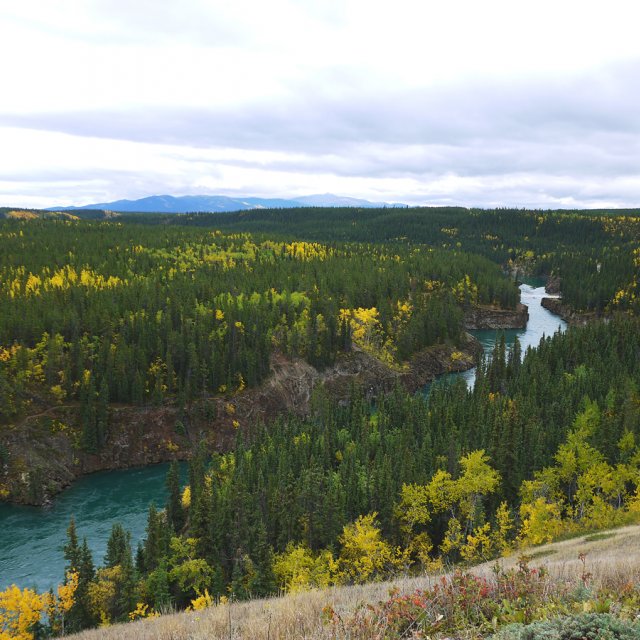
[(293, 616), (611, 561)]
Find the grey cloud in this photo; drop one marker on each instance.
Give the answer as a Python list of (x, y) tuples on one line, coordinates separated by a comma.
[(541, 191), (572, 136), (318, 120)]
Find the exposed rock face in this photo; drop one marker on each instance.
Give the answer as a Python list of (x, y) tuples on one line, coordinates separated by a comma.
[(571, 317), (486, 317), (375, 377), (554, 305), (44, 455), (44, 458), (553, 285)]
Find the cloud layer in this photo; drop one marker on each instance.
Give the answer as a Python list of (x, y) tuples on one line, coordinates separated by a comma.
[(492, 107)]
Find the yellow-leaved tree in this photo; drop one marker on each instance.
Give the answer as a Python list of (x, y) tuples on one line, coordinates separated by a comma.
[(59, 605), (582, 490), (541, 521), (461, 499), (367, 332), (20, 611), (364, 555), (297, 568)]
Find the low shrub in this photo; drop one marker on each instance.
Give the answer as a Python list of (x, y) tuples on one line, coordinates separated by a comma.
[(586, 626), (519, 604)]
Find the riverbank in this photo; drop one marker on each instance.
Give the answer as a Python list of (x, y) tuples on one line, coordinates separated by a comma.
[(555, 305), (43, 453), (32, 540), (570, 316), (540, 322)]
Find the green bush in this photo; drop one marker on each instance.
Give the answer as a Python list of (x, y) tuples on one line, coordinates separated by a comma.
[(588, 626)]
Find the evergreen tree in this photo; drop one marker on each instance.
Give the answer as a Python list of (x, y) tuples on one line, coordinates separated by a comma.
[(156, 544), (79, 561), (72, 549), (118, 547), (119, 555), (174, 510)]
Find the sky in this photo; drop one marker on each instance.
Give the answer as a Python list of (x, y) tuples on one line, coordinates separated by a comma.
[(492, 103)]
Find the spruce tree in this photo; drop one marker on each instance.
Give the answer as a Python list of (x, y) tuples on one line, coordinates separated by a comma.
[(72, 552), (79, 561), (156, 544), (118, 547), (174, 509)]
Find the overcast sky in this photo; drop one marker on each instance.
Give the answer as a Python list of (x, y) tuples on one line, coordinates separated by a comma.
[(476, 103)]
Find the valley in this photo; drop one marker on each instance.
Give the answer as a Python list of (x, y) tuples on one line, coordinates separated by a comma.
[(277, 355)]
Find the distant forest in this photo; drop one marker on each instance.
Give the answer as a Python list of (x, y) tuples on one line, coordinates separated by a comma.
[(595, 251)]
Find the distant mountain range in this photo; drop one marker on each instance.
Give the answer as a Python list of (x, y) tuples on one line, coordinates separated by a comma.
[(193, 204)]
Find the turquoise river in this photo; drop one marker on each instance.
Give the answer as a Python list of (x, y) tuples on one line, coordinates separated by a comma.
[(32, 538)]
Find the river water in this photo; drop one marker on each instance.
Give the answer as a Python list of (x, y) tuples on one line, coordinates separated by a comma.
[(541, 323), (32, 538)]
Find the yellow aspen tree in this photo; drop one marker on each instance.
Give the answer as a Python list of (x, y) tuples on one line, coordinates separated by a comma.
[(66, 597), (298, 569), (541, 521), (20, 610), (504, 525), (478, 545), (364, 555)]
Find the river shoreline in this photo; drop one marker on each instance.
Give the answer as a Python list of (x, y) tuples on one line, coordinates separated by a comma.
[(554, 304), (44, 460), (571, 317), (124, 494)]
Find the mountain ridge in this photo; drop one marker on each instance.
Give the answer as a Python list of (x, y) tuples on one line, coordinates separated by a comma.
[(220, 203)]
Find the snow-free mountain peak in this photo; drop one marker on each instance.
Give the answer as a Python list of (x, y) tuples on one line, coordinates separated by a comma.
[(212, 203)]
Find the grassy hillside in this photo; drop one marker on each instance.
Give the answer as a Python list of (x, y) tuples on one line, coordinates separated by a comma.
[(592, 573)]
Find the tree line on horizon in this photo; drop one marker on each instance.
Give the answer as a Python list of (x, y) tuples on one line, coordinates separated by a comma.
[(594, 252)]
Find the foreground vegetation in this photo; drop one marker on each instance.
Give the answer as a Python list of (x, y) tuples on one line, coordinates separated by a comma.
[(565, 583)]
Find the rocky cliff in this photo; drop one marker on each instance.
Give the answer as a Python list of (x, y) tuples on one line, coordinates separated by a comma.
[(42, 453), (553, 285), (487, 317), (571, 317)]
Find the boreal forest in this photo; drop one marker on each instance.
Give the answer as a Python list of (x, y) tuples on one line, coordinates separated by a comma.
[(281, 354)]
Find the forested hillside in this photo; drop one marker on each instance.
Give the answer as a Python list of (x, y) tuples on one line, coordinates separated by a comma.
[(159, 313), (536, 448), (104, 314), (137, 314), (355, 493)]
